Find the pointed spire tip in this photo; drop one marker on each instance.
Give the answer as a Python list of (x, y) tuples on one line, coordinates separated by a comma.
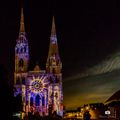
[(53, 30), (22, 27)]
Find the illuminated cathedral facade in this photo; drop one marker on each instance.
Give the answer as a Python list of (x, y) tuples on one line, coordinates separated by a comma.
[(41, 90)]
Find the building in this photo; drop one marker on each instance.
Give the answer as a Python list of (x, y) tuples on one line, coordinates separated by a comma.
[(41, 90), (113, 105), (73, 114)]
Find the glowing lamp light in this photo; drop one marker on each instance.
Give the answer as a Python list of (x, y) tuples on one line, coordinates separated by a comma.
[(107, 112), (82, 109), (87, 107), (17, 114)]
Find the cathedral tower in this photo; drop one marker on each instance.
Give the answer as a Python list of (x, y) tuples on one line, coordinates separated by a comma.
[(53, 67), (21, 49), (21, 62), (53, 64)]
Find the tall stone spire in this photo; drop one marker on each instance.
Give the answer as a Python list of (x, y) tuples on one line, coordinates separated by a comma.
[(53, 54), (22, 27), (21, 48), (53, 30), (53, 47), (22, 34)]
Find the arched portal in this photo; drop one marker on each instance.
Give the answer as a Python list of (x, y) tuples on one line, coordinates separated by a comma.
[(43, 101), (31, 101), (37, 100), (21, 63)]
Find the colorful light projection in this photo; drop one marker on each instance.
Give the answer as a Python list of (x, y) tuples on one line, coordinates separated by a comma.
[(38, 84), (21, 48), (53, 39)]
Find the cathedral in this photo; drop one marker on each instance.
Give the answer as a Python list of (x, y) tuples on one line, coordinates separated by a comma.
[(41, 90)]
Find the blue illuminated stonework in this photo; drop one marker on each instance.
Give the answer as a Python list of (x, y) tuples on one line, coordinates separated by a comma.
[(41, 90)]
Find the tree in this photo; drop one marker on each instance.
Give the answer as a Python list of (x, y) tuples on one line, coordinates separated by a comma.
[(6, 94), (18, 103)]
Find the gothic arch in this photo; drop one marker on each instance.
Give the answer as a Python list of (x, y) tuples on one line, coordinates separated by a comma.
[(18, 81), (31, 101), (43, 101), (23, 80), (21, 62), (25, 49), (21, 50), (17, 50), (37, 100)]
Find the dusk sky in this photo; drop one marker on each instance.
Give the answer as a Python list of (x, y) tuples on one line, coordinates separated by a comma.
[(89, 43)]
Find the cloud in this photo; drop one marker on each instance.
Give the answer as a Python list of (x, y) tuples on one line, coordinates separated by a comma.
[(109, 64), (96, 84), (95, 88)]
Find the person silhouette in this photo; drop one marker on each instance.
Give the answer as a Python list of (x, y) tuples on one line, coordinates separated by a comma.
[(7, 95), (86, 115)]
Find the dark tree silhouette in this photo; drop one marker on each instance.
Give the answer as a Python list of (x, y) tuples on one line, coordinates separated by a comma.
[(6, 95), (18, 103)]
